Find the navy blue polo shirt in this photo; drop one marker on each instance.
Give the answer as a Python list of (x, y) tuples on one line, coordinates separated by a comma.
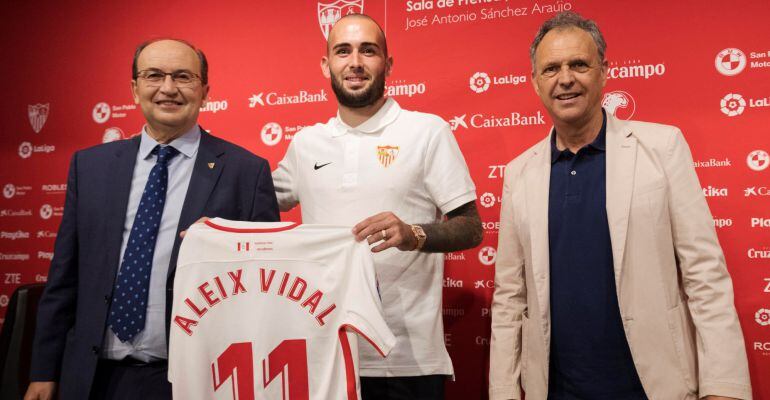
[(590, 358)]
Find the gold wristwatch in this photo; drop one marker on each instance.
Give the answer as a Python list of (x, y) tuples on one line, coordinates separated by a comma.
[(420, 235)]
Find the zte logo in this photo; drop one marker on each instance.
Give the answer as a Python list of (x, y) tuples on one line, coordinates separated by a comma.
[(496, 171), (12, 278), (711, 191)]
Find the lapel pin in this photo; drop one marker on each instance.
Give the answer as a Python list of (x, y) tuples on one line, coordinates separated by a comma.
[(211, 165)]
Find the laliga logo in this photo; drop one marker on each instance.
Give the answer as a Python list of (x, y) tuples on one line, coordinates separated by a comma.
[(25, 150), (38, 114), (487, 255), (479, 82), (101, 112), (762, 317), (758, 160), (733, 104), (112, 134), (271, 133), (46, 211), (9, 190), (620, 104), (329, 14), (730, 61), (487, 200)]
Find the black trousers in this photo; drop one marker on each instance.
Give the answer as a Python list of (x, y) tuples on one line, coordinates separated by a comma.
[(123, 380), (428, 387)]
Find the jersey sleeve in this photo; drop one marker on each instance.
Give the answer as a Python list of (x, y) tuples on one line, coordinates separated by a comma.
[(446, 173), (364, 314), (285, 179)]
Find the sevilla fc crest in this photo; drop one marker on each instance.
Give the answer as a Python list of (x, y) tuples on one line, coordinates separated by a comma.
[(38, 113), (329, 13), (387, 154)]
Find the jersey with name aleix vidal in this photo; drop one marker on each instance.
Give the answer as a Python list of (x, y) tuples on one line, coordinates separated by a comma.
[(270, 310)]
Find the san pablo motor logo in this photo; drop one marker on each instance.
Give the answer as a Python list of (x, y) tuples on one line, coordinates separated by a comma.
[(387, 154), (38, 114), (329, 13), (730, 61)]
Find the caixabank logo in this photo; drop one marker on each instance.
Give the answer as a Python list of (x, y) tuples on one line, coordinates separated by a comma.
[(484, 121), (278, 98)]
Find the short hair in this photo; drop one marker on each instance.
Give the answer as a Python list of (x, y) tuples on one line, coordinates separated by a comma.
[(569, 19), (364, 16), (199, 52)]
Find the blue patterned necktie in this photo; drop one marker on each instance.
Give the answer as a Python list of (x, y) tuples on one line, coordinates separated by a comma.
[(129, 301)]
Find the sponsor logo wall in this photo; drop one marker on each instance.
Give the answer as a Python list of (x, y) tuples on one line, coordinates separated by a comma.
[(464, 60)]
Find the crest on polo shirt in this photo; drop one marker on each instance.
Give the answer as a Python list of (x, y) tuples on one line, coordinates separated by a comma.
[(387, 154), (38, 114)]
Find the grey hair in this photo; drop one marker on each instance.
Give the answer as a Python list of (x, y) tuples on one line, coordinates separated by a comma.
[(568, 19)]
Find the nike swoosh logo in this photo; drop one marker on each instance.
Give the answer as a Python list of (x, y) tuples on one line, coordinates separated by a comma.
[(317, 167)]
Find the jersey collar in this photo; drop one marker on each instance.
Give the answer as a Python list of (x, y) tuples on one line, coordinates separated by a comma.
[(382, 118)]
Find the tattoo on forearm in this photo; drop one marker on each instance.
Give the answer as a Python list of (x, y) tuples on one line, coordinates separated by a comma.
[(462, 230)]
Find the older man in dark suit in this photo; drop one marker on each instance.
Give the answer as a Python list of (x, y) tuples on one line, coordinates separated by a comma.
[(104, 317)]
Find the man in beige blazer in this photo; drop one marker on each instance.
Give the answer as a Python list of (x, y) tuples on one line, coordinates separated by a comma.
[(610, 282)]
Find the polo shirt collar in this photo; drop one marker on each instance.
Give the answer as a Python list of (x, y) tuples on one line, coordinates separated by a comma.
[(386, 115), (598, 143), (187, 144)]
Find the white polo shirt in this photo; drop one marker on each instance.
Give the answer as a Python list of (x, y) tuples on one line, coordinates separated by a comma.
[(401, 161)]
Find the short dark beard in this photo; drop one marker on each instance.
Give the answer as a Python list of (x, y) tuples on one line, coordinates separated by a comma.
[(359, 100)]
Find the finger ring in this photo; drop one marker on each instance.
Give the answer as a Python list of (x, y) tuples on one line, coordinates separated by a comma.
[(384, 234)]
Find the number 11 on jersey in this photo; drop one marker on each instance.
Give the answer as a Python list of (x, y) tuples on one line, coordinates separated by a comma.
[(288, 359)]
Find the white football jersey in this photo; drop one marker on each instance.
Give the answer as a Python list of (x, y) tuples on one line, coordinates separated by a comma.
[(268, 311)]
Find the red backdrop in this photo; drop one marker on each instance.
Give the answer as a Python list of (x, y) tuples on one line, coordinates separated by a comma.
[(698, 65)]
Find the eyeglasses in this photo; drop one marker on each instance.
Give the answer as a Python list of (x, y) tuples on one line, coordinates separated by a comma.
[(155, 77), (579, 67)]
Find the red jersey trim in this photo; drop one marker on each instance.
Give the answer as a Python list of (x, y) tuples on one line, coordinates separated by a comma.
[(347, 355), (251, 230)]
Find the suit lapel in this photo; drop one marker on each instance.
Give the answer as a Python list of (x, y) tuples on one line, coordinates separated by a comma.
[(621, 163), (118, 188), (208, 167), (537, 177)]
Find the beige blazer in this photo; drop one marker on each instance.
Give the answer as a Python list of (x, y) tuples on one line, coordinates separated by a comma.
[(674, 292)]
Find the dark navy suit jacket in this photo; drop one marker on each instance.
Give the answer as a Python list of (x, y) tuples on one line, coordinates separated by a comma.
[(227, 181)]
